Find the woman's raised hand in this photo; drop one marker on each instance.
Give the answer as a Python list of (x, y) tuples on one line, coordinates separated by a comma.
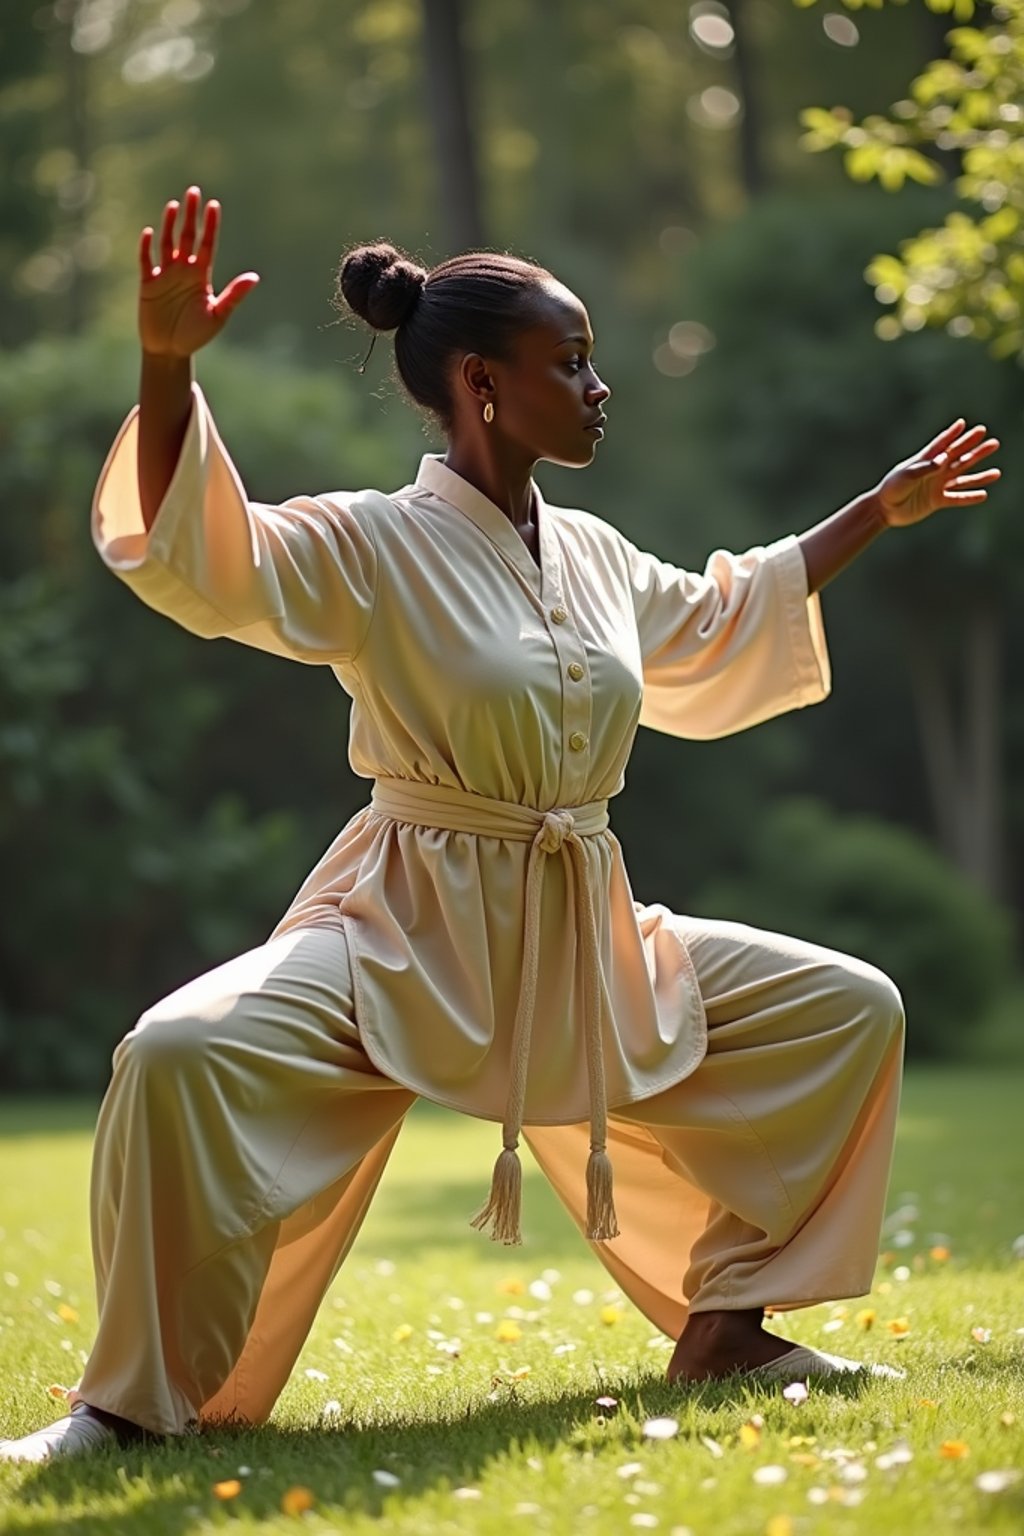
[(937, 476), (178, 310)]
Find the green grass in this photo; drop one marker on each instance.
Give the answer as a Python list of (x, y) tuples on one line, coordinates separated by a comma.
[(479, 1451)]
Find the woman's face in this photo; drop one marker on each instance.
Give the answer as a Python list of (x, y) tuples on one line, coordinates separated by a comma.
[(548, 399)]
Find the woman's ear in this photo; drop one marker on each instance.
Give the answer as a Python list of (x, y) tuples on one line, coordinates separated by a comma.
[(475, 378)]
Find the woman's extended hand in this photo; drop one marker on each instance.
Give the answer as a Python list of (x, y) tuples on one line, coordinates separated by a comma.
[(178, 311), (935, 477)]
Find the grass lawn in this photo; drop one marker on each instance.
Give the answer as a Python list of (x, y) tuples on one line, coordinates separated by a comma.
[(450, 1384)]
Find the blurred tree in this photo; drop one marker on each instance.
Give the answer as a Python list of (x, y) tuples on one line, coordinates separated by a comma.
[(796, 406), (968, 274), (448, 76), (879, 892)]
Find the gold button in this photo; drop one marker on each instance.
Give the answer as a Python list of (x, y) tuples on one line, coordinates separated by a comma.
[(577, 741), (575, 671), (559, 615)]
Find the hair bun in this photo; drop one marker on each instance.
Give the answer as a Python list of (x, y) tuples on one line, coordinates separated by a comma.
[(381, 285)]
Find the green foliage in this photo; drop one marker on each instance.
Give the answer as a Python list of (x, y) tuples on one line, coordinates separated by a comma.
[(877, 891), (159, 797), (966, 274)]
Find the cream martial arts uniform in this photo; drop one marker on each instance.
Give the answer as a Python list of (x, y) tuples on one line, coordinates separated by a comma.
[(471, 936)]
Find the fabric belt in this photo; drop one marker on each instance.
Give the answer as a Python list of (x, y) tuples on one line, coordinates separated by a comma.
[(548, 832)]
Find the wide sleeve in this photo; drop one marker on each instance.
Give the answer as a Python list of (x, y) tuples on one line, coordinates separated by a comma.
[(297, 579), (732, 647)]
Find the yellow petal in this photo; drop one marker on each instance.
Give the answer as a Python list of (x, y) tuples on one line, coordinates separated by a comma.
[(953, 1450), (927, 1402), (521, 1374), (297, 1500), (512, 1287), (750, 1436), (229, 1490), (898, 1326), (58, 1391), (939, 1254), (67, 1314), (403, 1331), (865, 1317), (779, 1525), (507, 1331), (610, 1315)]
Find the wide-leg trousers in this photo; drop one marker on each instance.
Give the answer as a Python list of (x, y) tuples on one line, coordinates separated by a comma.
[(245, 1130)]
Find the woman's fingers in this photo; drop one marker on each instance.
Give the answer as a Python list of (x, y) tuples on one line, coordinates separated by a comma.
[(146, 254), (944, 438), (208, 239), (975, 453), (167, 235), (188, 225), (984, 478), (234, 293)]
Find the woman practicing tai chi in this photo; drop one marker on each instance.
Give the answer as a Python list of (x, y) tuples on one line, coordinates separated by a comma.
[(471, 935)]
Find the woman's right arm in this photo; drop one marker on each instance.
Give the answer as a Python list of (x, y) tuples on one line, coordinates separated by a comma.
[(178, 314), (171, 516)]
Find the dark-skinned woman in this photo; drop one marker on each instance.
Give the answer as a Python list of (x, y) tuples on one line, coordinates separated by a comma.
[(714, 1105)]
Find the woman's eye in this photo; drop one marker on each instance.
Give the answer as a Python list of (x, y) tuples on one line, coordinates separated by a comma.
[(575, 363)]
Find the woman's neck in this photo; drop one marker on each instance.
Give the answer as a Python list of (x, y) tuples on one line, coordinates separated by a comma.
[(510, 487)]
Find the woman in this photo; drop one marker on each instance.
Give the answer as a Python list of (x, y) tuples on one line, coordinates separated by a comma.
[(471, 935)]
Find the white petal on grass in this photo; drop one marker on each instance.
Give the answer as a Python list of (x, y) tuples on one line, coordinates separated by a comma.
[(660, 1429), (385, 1479), (331, 1409), (1017, 1247), (713, 1446), (897, 1457), (796, 1392), (315, 1375), (629, 1469), (852, 1472), (539, 1290), (996, 1482), (526, 1508), (833, 1325), (582, 1298), (563, 1349), (770, 1475), (644, 1521), (552, 1276), (901, 1273), (466, 1493)]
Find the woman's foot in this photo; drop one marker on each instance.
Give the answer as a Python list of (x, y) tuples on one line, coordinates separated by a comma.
[(715, 1343), (84, 1430)]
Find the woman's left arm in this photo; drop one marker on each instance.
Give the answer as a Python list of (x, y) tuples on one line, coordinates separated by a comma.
[(934, 477)]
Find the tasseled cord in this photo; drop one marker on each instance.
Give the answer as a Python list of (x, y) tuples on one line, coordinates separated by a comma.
[(503, 1209)]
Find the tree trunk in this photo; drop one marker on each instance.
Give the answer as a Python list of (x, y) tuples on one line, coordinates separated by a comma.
[(76, 80), (962, 749), (752, 134), (451, 116)]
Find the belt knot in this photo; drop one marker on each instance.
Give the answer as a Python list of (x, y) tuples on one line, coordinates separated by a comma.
[(556, 827)]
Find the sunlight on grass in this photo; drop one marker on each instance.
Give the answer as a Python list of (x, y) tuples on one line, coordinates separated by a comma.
[(450, 1384)]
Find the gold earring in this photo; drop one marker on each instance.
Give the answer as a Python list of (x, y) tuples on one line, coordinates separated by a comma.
[(489, 411)]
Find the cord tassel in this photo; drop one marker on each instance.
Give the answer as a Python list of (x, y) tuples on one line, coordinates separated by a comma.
[(602, 1222), (503, 1209)]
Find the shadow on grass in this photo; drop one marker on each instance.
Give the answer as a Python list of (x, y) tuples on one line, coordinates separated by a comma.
[(170, 1485)]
